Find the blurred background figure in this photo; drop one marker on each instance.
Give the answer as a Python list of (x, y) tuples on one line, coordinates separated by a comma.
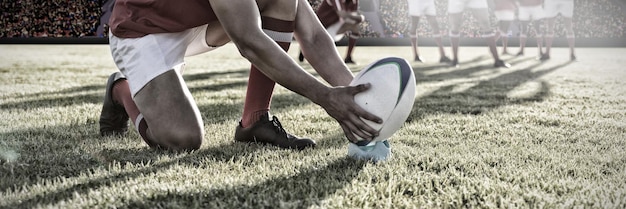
[(417, 9), (480, 11), (530, 11), (340, 17), (504, 10), (552, 9)]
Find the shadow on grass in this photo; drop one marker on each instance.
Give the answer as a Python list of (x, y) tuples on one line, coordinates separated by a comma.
[(121, 157), (67, 91), (290, 191), (461, 72), (94, 94), (333, 177), (50, 152), (71, 164), (61, 156), (483, 96), (62, 98)]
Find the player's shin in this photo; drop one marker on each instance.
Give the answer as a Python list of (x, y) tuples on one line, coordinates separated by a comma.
[(260, 87)]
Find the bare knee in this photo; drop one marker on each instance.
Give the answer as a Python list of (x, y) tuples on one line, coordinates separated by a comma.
[(415, 21), (173, 119), (455, 21), (434, 24)]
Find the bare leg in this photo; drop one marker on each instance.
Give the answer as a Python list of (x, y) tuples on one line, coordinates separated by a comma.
[(171, 116), (482, 16), (539, 35), (571, 38), (434, 24), (352, 37), (260, 87), (413, 33), (549, 37), (455, 20), (523, 36), (256, 124), (505, 44), (491, 42), (258, 97), (163, 111), (503, 33)]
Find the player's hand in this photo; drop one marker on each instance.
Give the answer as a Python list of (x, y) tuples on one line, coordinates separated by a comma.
[(340, 105)]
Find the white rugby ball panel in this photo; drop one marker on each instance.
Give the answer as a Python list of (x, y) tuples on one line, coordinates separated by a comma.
[(401, 111), (391, 95), (382, 92)]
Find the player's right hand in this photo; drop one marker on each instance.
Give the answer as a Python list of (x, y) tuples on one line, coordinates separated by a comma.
[(340, 105)]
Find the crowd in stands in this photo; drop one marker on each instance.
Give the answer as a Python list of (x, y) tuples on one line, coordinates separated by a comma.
[(79, 18), (396, 19), (49, 18), (597, 18)]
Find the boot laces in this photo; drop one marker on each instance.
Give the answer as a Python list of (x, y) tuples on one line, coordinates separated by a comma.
[(277, 126)]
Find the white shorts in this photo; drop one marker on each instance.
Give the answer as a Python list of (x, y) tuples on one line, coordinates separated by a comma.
[(458, 6), (419, 8), (505, 15), (143, 59), (530, 13), (552, 8)]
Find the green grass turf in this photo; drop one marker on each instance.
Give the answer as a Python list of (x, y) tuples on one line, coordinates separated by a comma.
[(540, 134)]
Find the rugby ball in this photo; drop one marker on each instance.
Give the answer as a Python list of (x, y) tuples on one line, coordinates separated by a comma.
[(391, 95)]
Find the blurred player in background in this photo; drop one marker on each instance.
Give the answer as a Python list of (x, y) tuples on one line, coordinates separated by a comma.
[(149, 40), (504, 10), (552, 9), (530, 11), (340, 17), (370, 9), (480, 11), (417, 9)]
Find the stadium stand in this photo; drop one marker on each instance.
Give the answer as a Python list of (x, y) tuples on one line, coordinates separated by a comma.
[(49, 18), (81, 18)]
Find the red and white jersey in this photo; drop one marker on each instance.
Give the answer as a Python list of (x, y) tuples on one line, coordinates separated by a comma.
[(137, 18), (327, 11)]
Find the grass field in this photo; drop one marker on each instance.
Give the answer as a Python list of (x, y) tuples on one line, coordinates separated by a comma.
[(540, 134)]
